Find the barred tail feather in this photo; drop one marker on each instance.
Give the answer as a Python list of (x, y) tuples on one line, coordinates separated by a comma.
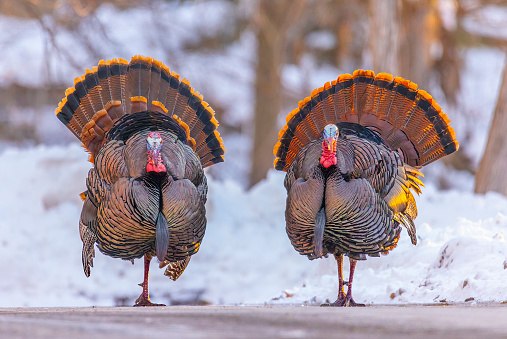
[(155, 80), (365, 92), (116, 88), (137, 85), (406, 118), (103, 74), (175, 268), (117, 81)]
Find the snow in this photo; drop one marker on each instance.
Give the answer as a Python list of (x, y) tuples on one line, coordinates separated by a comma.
[(488, 21), (323, 40), (246, 257), (477, 99), (448, 9)]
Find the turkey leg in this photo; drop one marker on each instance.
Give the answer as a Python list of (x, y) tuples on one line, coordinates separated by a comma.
[(349, 301), (144, 298), (341, 293), (344, 299)]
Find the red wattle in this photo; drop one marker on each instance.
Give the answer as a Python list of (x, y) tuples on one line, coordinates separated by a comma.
[(328, 161), (328, 158), (151, 168)]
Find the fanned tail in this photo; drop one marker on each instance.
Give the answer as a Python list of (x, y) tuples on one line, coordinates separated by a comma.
[(407, 119), (116, 88)]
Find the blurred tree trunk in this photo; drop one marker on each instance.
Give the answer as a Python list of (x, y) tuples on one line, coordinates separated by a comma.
[(449, 65), (419, 31), (492, 173), (384, 35), (274, 19)]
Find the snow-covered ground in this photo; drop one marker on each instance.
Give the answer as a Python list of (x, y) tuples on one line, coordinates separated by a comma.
[(246, 257)]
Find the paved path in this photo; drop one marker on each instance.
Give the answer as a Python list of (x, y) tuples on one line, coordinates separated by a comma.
[(256, 322)]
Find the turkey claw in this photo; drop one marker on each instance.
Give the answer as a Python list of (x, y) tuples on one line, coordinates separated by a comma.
[(142, 301), (343, 302)]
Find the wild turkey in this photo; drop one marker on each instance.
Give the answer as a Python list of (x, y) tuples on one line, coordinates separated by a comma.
[(149, 135), (352, 152)]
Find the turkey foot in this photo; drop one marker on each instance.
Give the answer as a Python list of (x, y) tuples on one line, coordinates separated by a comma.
[(144, 298), (143, 301), (344, 300)]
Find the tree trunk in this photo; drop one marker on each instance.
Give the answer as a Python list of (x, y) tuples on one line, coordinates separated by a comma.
[(449, 64), (418, 32), (384, 36), (492, 173), (274, 18)]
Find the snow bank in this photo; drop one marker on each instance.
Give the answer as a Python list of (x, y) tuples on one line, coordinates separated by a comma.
[(246, 257)]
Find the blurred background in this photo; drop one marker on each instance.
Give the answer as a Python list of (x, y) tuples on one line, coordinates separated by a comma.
[(252, 60)]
